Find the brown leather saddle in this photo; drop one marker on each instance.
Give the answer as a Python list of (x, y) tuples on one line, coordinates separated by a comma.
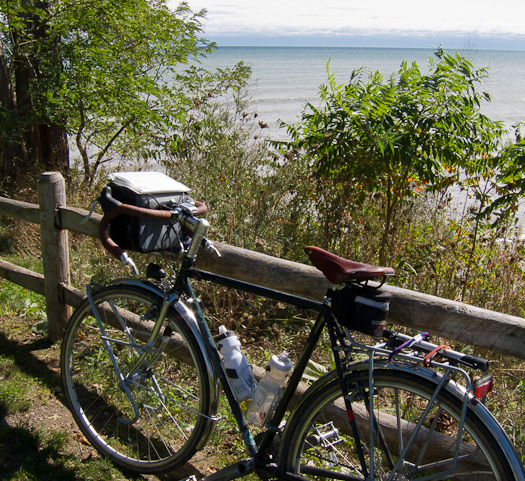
[(340, 271)]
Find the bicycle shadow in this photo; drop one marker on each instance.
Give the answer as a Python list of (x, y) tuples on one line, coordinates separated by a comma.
[(22, 453), (22, 356), (23, 448)]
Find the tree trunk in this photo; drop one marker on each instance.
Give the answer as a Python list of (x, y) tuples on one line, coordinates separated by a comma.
[(12, 152), (31, 143)]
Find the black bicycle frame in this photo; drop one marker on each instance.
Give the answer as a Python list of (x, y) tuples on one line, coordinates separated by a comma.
[(324, 317)]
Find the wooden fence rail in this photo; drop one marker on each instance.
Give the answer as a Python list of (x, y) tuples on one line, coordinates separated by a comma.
[(453, 320)]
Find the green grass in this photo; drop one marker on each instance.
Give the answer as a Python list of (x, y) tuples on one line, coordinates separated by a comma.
[(33, 445)]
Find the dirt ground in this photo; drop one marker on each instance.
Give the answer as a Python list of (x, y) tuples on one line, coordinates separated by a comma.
[(46, 409)]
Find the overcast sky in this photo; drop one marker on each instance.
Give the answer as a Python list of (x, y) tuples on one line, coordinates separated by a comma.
[(486, 23)]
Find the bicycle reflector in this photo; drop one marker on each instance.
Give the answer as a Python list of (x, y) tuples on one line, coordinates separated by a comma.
[(482, 387)]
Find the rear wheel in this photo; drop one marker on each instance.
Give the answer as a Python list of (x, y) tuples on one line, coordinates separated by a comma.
[(318, 442), (146, 406)]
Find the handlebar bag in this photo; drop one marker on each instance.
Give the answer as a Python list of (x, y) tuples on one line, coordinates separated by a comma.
[(150, 190), (361, 308)]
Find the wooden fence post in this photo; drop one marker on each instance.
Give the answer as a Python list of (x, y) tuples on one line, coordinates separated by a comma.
[(55, 250)]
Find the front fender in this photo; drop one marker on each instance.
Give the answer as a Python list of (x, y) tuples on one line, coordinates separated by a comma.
[(188, 316)]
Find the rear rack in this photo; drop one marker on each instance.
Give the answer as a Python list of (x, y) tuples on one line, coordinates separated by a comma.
[(396, 340)]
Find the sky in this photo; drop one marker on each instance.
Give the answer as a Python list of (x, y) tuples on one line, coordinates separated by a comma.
[(383, 23)]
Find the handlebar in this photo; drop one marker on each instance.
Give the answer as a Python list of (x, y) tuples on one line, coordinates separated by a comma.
[(115, 208)]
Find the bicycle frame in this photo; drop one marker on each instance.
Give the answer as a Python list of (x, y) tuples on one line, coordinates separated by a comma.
[(258, 460)]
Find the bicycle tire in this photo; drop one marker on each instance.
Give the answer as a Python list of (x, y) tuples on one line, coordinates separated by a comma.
[(174, 397), (310, 445)]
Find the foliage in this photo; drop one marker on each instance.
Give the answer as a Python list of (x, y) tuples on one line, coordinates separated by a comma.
[(438, 243), (102, 71), (223, 155), (29, 64), (510, 180), (118, 84), (397, 137)]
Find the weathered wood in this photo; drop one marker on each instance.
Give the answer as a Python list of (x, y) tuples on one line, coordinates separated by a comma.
[(275, 273), (459, 321), (453, 320), (75, 220), (55, 252), (71, 296), (20, 210), (23, 277)]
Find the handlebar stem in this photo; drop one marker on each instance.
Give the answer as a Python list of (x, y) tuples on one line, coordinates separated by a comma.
[(200, 228)]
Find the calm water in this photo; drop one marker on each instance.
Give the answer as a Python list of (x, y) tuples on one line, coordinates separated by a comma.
[(287, 77)]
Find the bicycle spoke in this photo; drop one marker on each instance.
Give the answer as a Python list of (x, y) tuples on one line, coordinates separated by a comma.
[(422, 434), (136, 400)]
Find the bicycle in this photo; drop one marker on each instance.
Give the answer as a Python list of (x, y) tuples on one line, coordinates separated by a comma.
[(142, 376)]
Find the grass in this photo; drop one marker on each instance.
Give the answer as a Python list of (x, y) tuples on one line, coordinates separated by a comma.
[(30, 393), (36, 437)]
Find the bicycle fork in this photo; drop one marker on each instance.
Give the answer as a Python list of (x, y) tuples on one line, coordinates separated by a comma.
[(142, 351)]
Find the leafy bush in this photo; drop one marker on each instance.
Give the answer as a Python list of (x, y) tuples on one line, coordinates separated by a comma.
[(389, 140)]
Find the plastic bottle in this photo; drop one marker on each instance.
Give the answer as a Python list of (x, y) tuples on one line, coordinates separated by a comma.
[(269, 388), (236, 365)]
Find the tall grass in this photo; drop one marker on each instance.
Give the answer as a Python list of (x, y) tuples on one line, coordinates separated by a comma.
[(262, 199)]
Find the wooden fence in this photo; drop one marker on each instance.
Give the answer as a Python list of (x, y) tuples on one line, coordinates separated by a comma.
[(453, 320)]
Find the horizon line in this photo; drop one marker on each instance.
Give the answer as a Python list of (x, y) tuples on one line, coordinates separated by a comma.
[(365, 46), (376, 41)]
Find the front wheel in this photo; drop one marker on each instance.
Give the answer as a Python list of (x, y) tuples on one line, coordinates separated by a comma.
[(318, 442), (146, 405)]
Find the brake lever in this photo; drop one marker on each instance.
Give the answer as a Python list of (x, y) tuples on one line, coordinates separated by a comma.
[(188, 208), (210, 246), (128, 261)]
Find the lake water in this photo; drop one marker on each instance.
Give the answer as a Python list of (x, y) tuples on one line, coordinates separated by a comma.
[(287, 77)]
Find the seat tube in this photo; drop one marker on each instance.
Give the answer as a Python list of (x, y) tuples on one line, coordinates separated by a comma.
[(344, 391)]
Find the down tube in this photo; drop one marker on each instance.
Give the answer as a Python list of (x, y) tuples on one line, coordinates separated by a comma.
[(216, 360)]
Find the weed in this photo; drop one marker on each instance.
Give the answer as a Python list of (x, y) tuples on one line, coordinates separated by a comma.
[(7, 241)]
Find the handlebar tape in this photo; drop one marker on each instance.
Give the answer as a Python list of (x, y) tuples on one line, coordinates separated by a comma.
[(107, 201), (125, 209), (118, 208)]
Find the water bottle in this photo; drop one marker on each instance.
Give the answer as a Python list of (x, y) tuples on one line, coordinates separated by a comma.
[(269, 388), (238, 370)]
